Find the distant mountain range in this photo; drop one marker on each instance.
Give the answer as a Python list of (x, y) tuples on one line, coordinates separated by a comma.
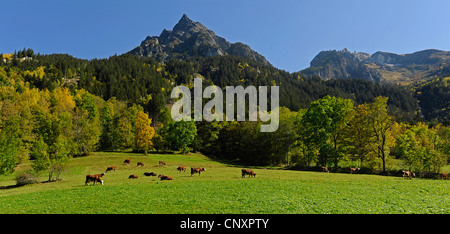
[(380, 66), (191, 39)]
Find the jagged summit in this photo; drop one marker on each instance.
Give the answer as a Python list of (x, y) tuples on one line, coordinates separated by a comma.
[(185, 18), (190, 39), (185, 22)]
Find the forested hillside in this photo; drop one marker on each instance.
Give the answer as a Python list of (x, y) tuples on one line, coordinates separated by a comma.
[(54, 107), (135, 80)]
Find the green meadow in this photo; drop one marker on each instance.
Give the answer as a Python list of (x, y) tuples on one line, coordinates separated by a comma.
[(219, 190)]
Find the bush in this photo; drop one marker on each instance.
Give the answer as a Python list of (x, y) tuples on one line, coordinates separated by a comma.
[(25, 178)]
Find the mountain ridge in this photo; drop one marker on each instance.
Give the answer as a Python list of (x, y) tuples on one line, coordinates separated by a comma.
[(191, 39), (380, 66)]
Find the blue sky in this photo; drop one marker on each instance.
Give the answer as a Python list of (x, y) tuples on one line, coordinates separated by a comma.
[(288, 33)]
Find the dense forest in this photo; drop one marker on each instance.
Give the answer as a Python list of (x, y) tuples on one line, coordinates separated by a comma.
[(53, 107), (434, 98)]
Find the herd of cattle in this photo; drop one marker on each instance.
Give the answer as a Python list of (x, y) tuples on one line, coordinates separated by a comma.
[(97, 178)]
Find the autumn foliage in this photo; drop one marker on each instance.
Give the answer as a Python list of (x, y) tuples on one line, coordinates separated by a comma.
[(143, 132)]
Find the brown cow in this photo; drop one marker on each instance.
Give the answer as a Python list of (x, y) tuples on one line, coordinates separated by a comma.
[(127, 161), (149, 174), (140, 164), (244, 172), (111, 169), (181, 169), (197, 170), (93, 178), (248, 172), (132, 176), (162, 163), (444, 176), (325, 169), (355, 170), (89, 178), (165, 177), (408, 174)]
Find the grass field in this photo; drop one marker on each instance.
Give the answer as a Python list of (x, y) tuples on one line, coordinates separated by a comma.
[(218, 190)]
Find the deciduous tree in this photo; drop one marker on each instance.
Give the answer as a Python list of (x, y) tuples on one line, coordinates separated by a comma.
[(323, 123), (144, 132), (380, 123), (180, 134)]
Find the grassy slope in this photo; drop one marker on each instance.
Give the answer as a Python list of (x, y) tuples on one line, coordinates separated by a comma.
[(219, 190)]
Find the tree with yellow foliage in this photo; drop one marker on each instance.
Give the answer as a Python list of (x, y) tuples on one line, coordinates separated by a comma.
[(61, 100), (143, 133)]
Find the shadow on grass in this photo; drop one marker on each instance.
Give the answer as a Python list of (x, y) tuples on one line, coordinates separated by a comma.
[(10, 186), (21, 185)]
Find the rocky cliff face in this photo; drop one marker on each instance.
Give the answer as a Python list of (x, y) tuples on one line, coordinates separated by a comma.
[(341, 64), (380, 66), (424, 57), (190, 39)]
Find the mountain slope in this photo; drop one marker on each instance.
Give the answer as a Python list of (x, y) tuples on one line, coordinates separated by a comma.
[(191, 39), (341, 64), (380, 66)]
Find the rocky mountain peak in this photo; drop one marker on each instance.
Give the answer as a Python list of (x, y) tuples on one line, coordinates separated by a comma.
[(333, 64), (185, 18), (186, 24), (190, 39)]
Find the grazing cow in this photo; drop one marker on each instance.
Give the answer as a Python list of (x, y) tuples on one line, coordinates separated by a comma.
[(140, 164), (149, 174), (355, 170), (165, 177), (111, 169), (244, 172), (181, 169), (197, 170), (89, 178), (98, 179), (133, 176), (162, 163), (325, 169), (444, 176), (127, 161), (408, 174), (248, 172), (93, 178)]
